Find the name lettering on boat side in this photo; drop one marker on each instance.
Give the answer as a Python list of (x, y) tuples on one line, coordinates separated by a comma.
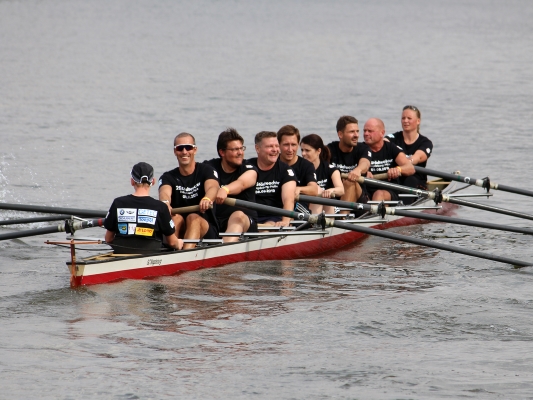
[(154, 261)]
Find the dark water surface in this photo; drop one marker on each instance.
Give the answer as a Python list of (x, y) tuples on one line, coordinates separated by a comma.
[(89, 88)]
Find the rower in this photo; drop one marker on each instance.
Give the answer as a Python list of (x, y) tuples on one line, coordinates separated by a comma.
[(289, 139), (137, 222), (190, 184), (386, 157), (237, 180), (328, 177), (276, 181), (417, 147), (351, 158)]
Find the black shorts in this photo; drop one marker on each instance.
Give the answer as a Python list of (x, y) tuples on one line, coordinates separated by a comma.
[(273, 218)]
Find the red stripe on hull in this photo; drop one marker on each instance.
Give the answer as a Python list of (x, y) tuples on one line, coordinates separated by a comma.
[(294, 251)]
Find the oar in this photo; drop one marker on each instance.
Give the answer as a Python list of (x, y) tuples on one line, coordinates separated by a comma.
[(186, 210), (68, 226), (32, 220), (53, 210), (369, 231), (439, 197), (484, 183), (380, 210)]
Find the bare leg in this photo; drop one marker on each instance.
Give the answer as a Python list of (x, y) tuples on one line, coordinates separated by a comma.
[(197, 227), (238, 222), (179, 224), (352, 191), (315, 208), (381, 195)]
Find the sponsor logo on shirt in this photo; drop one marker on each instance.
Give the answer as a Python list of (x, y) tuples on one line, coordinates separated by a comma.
[(428, 150), (266, 187), (159, 183), (370, 154), (144, 231), (314, 174), (123, 229), (290, 172), (215, 173), (172, 224), (127, 214), (249, 166), (131, 229), (146, 220), (151, 213)]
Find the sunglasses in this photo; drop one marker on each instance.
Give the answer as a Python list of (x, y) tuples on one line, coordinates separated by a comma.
[(411, 108), (186, 147)]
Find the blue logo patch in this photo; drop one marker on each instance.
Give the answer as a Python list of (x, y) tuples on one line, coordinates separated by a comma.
[(123, 229)]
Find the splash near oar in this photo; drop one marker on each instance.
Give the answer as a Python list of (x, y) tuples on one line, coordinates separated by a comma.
[(484, 183), (53, 210), (381, 210), (319, 219)]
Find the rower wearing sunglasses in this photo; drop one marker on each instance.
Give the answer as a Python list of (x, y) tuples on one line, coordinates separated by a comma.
[(190, 184)]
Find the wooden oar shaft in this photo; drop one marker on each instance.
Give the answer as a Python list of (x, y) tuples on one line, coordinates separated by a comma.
[(474, 181), (53, 210), (375, 232), (185, 210), (33, 220), (379, 177)]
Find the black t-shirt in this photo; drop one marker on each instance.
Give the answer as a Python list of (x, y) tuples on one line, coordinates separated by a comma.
[(384, 159), (304, 170), (324, 173), (422, 143), (190, 189), (346, 162), (269, 183), (141, 217), (223, 211)]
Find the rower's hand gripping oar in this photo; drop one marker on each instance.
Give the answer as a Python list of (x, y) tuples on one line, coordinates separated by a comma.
[(484, 183), (381, 210), (321, 220), (439, 197)]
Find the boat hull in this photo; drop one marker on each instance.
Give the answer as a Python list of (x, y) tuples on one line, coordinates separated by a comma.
[(96, 271)]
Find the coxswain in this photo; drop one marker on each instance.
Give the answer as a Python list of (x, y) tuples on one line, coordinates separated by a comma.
[(190, 184), (237, 180), (137, 222)]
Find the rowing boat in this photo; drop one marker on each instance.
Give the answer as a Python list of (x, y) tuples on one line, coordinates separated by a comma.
[(280, 245)]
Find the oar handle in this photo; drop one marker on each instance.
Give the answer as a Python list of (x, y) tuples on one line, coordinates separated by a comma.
[(378, 177), (186, 210)]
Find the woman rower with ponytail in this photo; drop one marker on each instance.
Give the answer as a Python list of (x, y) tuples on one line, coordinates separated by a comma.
[(417, 147), (327, 177)]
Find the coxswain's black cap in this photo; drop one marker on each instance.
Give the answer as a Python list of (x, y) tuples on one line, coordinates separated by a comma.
[(142, 173)]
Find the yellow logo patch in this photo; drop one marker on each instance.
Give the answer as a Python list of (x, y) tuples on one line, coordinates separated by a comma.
[(144, 231)]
